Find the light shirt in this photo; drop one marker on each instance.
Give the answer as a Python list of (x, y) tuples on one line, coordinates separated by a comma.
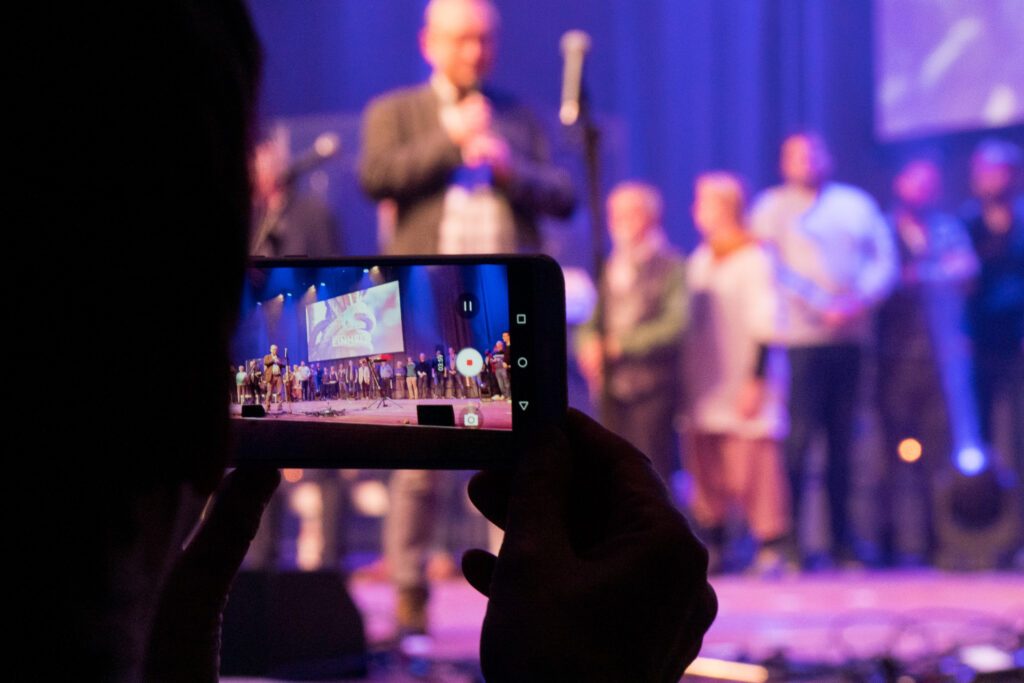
[(476, 218), (831, 247), (733, 310)]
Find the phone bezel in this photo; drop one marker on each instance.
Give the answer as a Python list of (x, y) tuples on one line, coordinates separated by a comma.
[(536, 290)]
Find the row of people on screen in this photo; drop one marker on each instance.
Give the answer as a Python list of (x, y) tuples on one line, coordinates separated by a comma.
[(434, 376)]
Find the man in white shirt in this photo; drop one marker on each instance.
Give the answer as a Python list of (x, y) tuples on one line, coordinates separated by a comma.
[(836, 262)]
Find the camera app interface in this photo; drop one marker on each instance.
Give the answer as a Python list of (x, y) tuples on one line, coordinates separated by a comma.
[(420, 345)]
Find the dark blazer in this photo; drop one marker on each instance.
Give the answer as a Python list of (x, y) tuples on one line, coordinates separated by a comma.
[(407, 157), (268, 364)]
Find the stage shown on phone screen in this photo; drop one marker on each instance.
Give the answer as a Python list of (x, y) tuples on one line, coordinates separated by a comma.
[(394, 345)]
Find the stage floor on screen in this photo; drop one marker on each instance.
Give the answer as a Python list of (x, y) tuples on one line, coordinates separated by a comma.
[(496, 414)]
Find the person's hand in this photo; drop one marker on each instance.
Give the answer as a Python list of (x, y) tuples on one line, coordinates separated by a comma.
[(467, 119), (750, 398), (185, 642), (491, 149), (842, 312), (599, 577)]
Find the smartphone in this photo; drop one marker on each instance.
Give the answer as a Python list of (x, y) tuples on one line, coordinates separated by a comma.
[(397, 362)]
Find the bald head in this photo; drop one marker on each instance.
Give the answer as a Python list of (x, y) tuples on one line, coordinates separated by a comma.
[(458, 40), (634, 210), (719, 203), (805, 160)]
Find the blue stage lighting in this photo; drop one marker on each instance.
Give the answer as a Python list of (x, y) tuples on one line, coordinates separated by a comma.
[(971, 460)]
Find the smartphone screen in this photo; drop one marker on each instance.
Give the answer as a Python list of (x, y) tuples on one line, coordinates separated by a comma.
[(397, 345), (460, 344)]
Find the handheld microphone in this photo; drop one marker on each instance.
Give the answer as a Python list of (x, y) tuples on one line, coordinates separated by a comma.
[(574, 45)]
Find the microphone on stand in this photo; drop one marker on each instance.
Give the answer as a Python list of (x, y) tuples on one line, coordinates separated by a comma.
[(324, 147), (574, 44)]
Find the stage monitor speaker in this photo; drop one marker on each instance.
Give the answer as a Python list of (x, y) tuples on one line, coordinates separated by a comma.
[(435, 416), (977, 519), (292, 626), (253, 411)]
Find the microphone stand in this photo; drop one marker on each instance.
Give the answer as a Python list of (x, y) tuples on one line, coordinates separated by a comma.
[(592, 161), (595, 204)]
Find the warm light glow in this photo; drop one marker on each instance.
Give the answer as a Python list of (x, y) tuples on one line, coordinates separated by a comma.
[(326, 144), (370, 498), (909, 450), (722, 669), (291, 475)]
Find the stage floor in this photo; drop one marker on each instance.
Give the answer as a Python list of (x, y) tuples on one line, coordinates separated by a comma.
[(821, 617), (825, 618), (496, 414)]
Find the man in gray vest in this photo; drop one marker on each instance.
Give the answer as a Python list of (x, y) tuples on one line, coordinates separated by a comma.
[(629, 350)]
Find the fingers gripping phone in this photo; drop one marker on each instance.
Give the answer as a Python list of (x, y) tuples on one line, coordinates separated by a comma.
[(401, 362)]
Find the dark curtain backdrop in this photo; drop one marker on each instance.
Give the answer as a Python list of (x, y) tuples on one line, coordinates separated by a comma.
[(684, 85)]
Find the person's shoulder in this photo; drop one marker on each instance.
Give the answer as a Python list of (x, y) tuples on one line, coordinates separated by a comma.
[(850, 194), (670, 254), (401, 96), (766, 204), (754, 251), (770, 195), (697, 263), (699, 257)]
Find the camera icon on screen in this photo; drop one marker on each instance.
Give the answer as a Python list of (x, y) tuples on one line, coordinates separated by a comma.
[(471, 420)]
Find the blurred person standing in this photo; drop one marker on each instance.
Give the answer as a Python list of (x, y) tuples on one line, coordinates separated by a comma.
[(995, 306), (467, 166), (735, 379), (287, 222), (917, 330), (629, 350), (468, 170), (835, 262)]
